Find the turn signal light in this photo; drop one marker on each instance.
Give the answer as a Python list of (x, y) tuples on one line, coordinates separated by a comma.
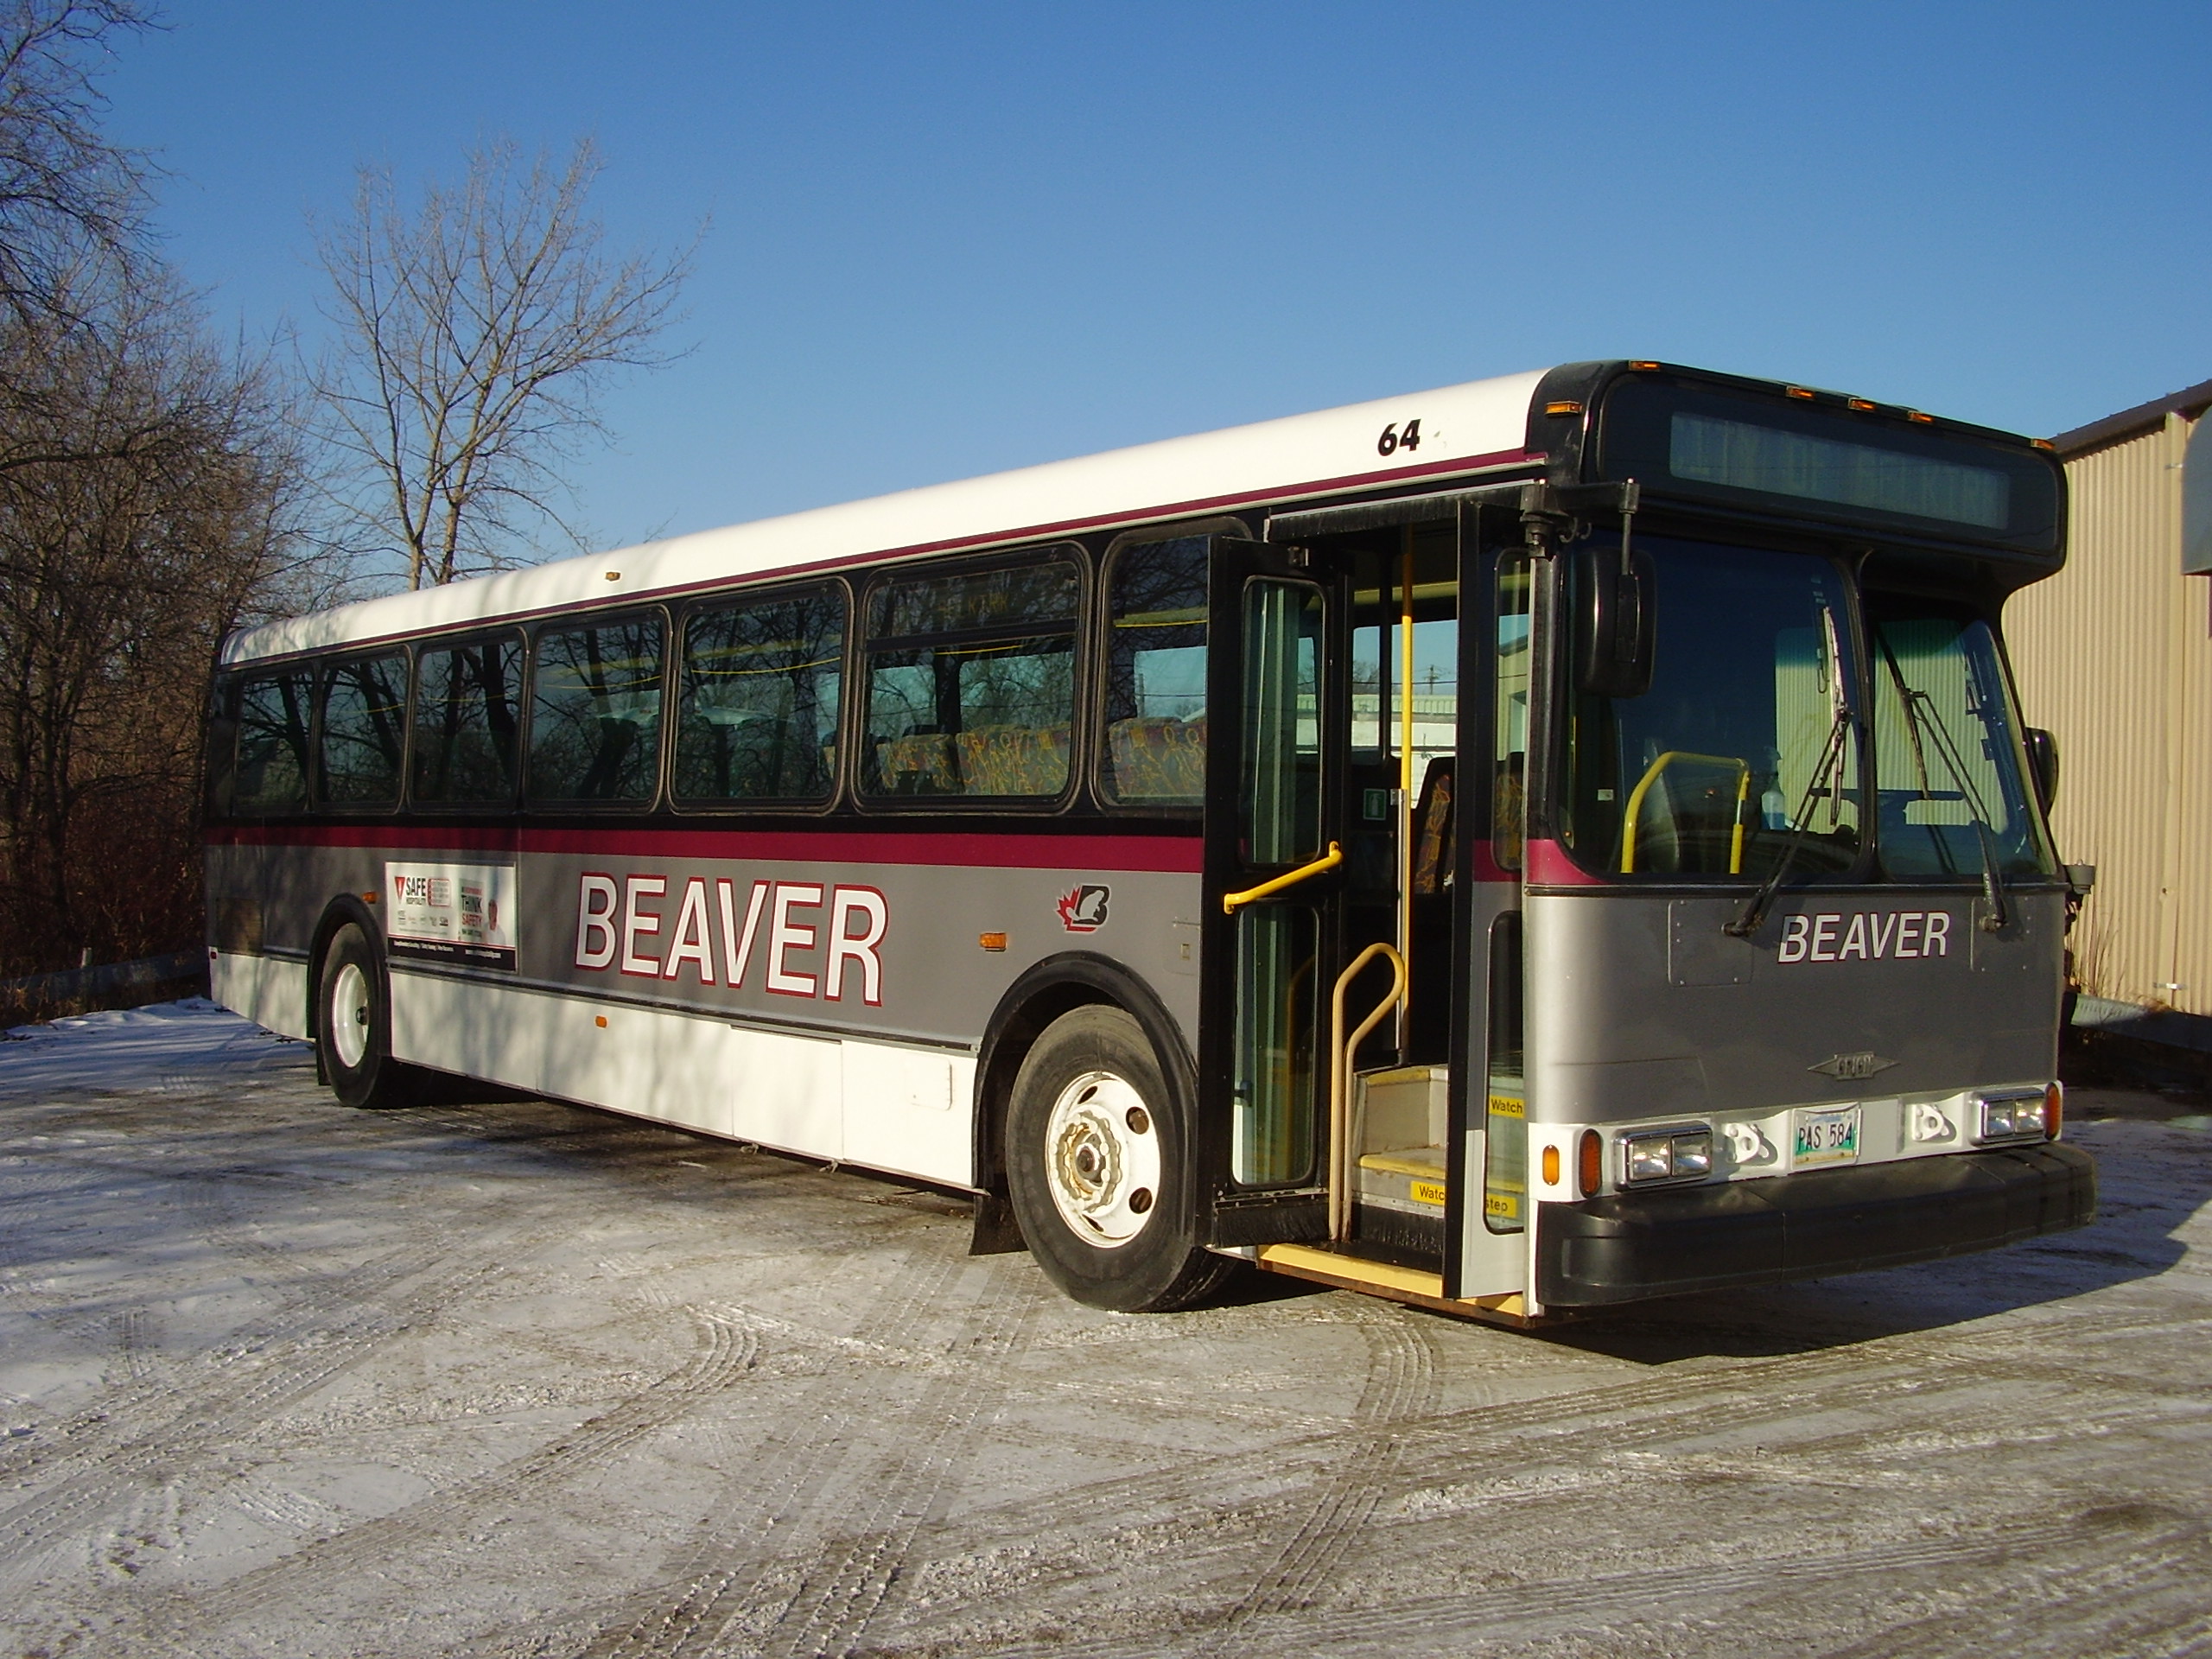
[(1590, 1162), (2054, 1107), (1551, 1166)]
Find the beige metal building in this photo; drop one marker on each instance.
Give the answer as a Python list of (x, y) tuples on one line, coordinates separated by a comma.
[(2113, 655)]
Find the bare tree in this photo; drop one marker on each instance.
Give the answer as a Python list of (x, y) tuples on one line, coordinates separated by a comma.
[(474, 338), (158, 523), (66, 192)]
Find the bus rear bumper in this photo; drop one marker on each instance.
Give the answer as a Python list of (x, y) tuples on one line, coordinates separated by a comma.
[(1625, 1246)]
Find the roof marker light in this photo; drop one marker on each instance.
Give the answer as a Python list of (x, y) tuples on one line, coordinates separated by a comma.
[(1915, 414), (2042, 443), (1796, 391), (1643, 366), (1563, 407), (1858, 403)]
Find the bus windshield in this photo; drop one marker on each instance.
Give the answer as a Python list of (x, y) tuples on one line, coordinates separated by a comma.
[(1950, 774), (1746, 739)]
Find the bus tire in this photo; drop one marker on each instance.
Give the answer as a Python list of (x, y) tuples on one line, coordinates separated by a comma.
[(1098, 1168), (352, 1027)]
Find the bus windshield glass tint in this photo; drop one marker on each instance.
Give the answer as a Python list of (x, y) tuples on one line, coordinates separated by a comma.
[(364, 730), (272, 764), (594, 723), (468, 720), (1156, 675), (758, 719), (1950, 772), (971, 683), (1747, 739)]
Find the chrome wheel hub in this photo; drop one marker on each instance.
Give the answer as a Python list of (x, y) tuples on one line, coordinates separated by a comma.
[(349, 1015), (1102, 1159)]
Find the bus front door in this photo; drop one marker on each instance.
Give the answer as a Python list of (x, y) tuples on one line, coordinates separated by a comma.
[(1272, 875)]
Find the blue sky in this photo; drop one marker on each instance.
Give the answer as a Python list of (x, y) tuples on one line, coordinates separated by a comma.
[(950, 238)]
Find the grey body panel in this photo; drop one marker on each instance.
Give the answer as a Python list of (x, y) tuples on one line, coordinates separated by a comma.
[(938, 986), (1641, 1007)]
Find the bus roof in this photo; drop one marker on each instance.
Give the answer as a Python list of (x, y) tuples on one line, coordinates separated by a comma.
[(1479, 425)]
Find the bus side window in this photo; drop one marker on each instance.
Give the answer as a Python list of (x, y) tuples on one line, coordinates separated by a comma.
[(363, 732), (468, 718), (594, 716), (271, 776), (1155, 752), (971, 682), (757, 711)]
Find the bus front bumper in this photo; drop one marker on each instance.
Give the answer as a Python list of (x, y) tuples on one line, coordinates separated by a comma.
[(1625, 1246)]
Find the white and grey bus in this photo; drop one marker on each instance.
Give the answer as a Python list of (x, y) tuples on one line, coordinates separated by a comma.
[(1520, 847)]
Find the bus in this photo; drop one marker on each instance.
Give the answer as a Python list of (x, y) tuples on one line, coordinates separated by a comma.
[(1094, 839)]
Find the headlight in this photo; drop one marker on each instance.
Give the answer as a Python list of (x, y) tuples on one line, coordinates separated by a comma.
[(1653, 1155), (2016, 1115)]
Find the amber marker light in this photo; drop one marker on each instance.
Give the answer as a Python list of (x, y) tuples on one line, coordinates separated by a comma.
[(1643, 366), (991, 941), (1551, 1166), (1590, 1162), (1563, 407), (2054, 1107), (1915, 414), (1858, 403), (600, 1020), (2041, 443), (368, 897), (1796, 391)]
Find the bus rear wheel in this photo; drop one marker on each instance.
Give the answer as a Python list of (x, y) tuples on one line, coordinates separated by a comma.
[(353, 1026), (1099, 1169)]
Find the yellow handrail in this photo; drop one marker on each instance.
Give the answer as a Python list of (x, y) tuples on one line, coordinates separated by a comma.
[(1635, 810), (1328, 861), (1341, 1049)]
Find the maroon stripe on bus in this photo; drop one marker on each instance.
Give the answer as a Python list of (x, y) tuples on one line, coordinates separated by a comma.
[(1178, 854)]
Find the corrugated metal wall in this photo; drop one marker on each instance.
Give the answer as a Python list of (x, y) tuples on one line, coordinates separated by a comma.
[(2115, 656)]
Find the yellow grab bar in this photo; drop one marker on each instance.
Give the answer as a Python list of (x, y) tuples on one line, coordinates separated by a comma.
[(1342, 1157), (1635, 810), (1328, 861)]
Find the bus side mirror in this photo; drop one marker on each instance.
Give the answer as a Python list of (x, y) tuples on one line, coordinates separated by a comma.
[(2043, 764), (1615, 614)]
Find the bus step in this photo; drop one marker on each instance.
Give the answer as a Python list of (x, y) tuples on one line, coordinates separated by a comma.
[(1341, 1267), (1398, 1206)]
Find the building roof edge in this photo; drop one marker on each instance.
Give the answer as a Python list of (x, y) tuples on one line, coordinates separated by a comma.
[(2191, 402)]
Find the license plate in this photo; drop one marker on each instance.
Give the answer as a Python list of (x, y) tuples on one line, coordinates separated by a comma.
[(1825, 1138)]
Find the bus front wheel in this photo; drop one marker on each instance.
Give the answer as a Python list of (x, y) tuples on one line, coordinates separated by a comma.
[(1097, 1165), (353, 1026)]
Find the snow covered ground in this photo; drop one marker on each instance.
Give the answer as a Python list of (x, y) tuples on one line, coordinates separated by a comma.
[(514, 1378)]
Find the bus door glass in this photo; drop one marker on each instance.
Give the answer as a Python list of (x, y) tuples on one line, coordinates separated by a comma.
[(1268, 883)]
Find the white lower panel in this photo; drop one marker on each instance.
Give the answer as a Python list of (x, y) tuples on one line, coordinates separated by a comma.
[(271, 993), (792, 1093), (906, 1109)]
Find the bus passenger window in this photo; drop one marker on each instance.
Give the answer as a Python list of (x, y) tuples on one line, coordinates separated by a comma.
[(594, 720), (272, 764), (468, 718), (757, 715), (971, 683), (364, 730), (1156, 675)]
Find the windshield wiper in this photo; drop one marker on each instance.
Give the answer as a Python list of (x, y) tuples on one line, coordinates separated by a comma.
[(1993, 883), (1909, 700), (1748, 920)]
